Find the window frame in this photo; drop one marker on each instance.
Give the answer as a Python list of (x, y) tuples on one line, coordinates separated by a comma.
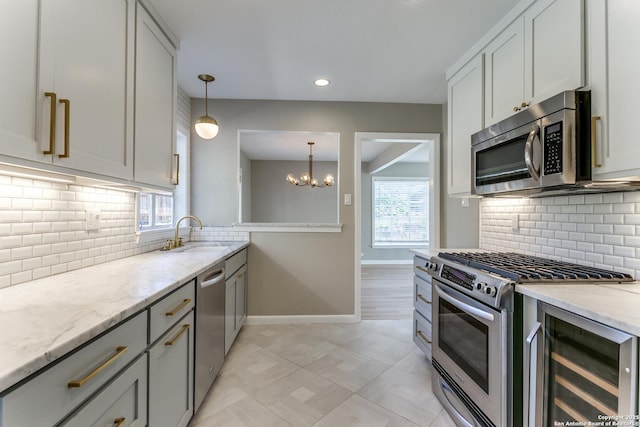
[(153, 226), (400, 244)]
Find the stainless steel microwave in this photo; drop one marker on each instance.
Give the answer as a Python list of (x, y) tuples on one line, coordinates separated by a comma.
[(543, 148)]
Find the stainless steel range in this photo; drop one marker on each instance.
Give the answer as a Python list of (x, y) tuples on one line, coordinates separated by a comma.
[(473, 328)]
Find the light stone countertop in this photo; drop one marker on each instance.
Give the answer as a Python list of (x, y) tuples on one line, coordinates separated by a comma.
[(44, 319), (616, 305)]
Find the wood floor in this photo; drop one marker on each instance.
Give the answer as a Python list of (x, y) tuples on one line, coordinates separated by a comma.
[(387, 292)]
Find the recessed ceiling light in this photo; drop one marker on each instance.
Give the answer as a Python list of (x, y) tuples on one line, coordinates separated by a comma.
[(322, 82)]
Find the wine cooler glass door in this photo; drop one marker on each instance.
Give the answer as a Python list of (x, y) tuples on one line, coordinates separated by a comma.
[(589, 370)]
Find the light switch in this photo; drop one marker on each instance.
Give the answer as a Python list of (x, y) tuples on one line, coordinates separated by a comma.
[(347, 199)]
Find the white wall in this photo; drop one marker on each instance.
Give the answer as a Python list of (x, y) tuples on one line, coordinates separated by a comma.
[(600, 230)]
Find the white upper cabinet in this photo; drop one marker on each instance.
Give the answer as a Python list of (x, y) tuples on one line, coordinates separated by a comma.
[(19, 52), (465, 117), (504, 73), (614, 37), (156, 97), (85, 81), (554, 48), (537, 56)]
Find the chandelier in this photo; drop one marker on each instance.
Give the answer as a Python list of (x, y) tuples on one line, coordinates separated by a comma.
[(307, 177)]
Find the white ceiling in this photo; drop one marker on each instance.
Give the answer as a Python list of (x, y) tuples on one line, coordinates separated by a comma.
[(371, 50), (292, 145)]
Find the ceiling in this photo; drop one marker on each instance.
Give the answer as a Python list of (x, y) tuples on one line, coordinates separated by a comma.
[(370, 50), (292, 145)]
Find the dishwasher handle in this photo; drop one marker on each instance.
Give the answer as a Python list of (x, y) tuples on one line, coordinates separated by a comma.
[(212, 278)]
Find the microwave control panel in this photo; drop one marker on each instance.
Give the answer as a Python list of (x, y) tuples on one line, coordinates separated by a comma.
[(552, 144)]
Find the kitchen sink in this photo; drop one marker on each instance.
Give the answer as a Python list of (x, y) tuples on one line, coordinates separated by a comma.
[(207, 249)]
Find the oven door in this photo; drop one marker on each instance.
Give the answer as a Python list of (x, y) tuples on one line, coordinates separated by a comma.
[(470, 346)]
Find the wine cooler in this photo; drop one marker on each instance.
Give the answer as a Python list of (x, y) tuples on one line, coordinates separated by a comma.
[(583, 372)]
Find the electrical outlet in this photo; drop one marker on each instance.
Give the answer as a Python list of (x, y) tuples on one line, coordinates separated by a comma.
[(92, 219)]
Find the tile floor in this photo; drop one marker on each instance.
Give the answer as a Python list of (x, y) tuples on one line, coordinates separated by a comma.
[(324, 375)]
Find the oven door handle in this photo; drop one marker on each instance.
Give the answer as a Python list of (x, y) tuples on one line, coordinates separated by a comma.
[(464, 306), (529, 406)]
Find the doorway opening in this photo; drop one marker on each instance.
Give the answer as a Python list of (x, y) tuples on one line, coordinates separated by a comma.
[(396, 207)]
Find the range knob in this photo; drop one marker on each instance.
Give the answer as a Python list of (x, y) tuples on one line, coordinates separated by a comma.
[(480, 285), (432, 266), (490, 290)]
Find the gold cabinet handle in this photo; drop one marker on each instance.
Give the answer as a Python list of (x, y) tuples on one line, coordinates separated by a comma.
[(594, 128), (516, 108), (184, 329), (176, 176), (119, 422), (67, 118), (52, 123), (176, 310), (424, 337), (423, 299), (239, 275), (79, 383), (524, 105)]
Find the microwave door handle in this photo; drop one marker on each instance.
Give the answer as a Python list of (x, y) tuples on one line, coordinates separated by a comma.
[(528, 153)]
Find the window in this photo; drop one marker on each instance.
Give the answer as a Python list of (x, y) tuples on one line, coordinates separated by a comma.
[(400, 212), (154, 211)]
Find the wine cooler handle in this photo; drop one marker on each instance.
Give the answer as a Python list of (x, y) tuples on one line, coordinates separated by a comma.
[(529, 405)]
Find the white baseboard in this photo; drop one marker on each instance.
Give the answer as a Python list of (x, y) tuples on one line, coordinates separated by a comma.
[(274, 320), (386, 262)]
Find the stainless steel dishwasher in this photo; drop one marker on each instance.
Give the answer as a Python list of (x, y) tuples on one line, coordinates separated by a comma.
[(209, 344)]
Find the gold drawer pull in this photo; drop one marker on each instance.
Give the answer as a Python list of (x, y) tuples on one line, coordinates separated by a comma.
[(424, 337), (177, 337), (67, 118), (424, 299), (239, 275), (176, 310), (52, 123), (79, 383), (119, 422)]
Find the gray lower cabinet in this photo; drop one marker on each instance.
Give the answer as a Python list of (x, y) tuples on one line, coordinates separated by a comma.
[(113, 381), (171, 376), (235, 312), (64, 387), (422, 305), (123, 402)]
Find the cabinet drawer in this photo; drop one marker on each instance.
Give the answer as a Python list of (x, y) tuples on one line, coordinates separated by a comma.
[(61, 388), (422, 333), (166, 312), (122, 402), (420, 268), (233, 263), (422, 296)]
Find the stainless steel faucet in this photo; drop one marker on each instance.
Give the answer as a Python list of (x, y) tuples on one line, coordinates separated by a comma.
[(177, 241)]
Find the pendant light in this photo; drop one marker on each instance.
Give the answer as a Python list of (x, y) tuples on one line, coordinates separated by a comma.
[(206, 127)]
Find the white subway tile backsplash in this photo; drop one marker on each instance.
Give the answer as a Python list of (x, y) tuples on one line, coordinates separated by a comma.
[(595, 229)]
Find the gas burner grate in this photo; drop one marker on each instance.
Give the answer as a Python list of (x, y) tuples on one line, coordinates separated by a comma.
[(526, 268)]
